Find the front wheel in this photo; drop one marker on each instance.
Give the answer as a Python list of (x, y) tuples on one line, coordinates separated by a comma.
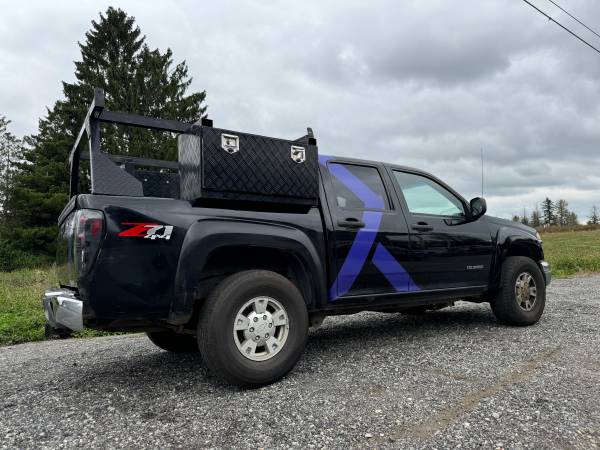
[(522, 295), (253, 328)]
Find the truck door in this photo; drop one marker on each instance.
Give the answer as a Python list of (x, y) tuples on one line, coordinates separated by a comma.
[(446, 251), (369, 237)]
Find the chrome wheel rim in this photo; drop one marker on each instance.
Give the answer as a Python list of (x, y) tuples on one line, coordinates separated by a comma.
[(261, 328), (525, 291)]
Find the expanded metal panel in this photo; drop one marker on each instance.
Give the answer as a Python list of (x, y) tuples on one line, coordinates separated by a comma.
[(190, 156)]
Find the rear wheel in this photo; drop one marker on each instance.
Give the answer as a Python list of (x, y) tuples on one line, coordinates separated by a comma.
[(56, 333), (253, 328), (174, 342), (522, 295)]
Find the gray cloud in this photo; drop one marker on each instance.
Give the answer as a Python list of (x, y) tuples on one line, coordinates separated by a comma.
[(421, 83)]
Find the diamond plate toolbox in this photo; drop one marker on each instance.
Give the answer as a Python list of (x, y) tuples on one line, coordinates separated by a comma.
[(224, 164)]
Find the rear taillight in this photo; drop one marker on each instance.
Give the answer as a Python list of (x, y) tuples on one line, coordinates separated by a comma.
[(88, 232)]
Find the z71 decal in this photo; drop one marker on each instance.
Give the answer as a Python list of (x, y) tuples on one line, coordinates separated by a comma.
[(147, 230)]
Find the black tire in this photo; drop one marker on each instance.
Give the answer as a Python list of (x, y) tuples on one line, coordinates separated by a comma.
[(174, 342), (217, 318), (505, 304), (56, 333)]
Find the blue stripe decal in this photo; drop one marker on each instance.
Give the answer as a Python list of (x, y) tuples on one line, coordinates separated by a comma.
[(364, 239), (324, 159), (393, 270), (355, 260)]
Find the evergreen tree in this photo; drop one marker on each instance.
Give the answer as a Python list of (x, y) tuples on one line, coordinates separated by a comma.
[(516, 218), (548, 216), (525, 217), (535, 218), (594, 216), (573, 220), (562, 213), (115, 57), (136, 79), (10, 155)]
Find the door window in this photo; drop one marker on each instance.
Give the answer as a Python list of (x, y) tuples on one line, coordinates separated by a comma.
[(358, 187), (425, 196)]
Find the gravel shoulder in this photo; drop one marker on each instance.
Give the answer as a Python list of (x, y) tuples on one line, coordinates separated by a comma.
[(448, 378)]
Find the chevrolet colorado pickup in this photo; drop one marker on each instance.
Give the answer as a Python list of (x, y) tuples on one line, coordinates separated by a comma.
[(242, 282)]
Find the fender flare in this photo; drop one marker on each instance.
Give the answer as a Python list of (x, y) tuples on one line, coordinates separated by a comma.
[(206, 236), (507, 239)]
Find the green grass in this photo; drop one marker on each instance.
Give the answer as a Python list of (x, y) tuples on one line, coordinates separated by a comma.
[(21, 312), (22, 316), (572, 252)]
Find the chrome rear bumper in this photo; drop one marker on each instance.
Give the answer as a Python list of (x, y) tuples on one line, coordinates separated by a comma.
[(63, 310)]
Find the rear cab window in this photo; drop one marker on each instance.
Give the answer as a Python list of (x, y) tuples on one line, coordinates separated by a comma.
[(357, 187)]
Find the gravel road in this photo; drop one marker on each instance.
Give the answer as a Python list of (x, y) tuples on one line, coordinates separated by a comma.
[(446, 379)]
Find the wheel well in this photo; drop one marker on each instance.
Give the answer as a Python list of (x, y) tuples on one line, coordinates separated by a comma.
[(226, 261), (529, 250), (516, 248)]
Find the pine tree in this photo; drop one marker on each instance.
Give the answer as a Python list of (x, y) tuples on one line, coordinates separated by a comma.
[(562, 213), (10, 155), (525, 217), (548, 216), (115, 57), (594, 216), (516, 218), (573, 220), (535, 218)]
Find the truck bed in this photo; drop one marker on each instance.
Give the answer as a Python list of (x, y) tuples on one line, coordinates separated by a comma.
[(149, 276)]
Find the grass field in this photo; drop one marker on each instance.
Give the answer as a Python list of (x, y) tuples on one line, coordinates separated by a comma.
[(572, 252), (21, 313), (22, 317)]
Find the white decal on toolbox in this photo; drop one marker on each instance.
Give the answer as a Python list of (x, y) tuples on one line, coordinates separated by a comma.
[(230, 143), (298, 154)]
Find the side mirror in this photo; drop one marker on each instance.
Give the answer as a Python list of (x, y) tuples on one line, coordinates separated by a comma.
[(477, 207)]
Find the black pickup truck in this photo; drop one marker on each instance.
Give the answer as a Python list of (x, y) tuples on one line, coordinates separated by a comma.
[(240, 279)]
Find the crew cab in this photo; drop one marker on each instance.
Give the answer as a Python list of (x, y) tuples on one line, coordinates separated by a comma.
[(242, 282)]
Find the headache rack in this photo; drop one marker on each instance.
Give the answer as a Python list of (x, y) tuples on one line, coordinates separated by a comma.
[(292, 180)]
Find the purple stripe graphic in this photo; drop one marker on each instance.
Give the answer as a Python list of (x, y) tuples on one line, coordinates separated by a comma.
[(324, 159), (355, 260), (393, 270), (364, 239)]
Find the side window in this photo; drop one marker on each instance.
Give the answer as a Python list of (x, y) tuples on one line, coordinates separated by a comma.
[(358, 187), (425, 196)]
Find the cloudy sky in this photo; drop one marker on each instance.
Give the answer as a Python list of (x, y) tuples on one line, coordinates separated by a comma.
[(424, 83)]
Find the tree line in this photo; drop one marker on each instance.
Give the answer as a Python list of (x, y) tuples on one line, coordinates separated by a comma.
[(34, 170), (552, 213)]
